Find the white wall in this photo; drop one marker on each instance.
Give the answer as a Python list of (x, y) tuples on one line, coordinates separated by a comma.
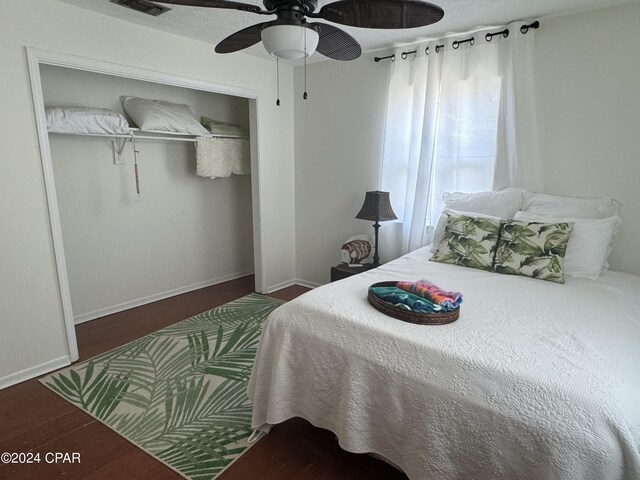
[(186, 232), (338, 153), (31, 322), (588, 99), (588, 88)]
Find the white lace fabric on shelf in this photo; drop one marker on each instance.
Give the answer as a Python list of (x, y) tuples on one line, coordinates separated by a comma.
[(222, 157)]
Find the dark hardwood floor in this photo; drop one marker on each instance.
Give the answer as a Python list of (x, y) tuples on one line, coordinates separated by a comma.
[(34, 419)]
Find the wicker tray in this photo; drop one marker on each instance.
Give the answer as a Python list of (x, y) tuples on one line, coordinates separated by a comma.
[(407, 315)]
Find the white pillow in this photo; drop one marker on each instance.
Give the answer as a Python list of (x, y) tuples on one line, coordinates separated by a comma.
[(502, 204), (85, 121), (589, 244), (583, 206), (161, 116), (444, 218)]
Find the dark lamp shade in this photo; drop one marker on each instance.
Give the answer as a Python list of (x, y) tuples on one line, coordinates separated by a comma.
[(376, 207)]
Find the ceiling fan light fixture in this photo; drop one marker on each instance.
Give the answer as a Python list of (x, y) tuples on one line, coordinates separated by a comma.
[(288, 41)]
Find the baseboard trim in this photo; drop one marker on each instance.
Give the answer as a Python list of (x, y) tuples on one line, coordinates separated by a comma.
[(307, 284), (291, 283), (102, 312), (35, 371), (281, 285)]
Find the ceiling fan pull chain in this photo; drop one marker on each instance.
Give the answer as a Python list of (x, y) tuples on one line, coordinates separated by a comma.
[(278, 81), (305, 95)]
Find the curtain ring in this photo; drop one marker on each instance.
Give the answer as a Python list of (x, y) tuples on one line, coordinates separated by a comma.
[(489, 36), (455, 44), (426, 51), (472, 41), (525, 28), (438, 47), (404, 55)]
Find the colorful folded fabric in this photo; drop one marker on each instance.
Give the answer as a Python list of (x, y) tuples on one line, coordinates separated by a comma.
[(407, 301), (425, 289)]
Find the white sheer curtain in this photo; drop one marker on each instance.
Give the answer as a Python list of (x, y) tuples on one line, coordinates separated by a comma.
[(458, 119)]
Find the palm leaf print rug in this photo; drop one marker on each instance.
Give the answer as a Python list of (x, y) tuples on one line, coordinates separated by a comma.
[(180, 393)]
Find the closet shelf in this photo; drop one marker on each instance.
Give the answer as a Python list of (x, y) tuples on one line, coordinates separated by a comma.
[(120, 140), (137, 134)]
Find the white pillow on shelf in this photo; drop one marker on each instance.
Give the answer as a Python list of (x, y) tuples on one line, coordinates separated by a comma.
[(589, 245), (85, 121), (161, 116), (444, 218), (503, 204), (581, 206)]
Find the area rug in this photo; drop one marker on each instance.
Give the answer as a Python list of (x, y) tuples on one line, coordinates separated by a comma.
[(180, 393)]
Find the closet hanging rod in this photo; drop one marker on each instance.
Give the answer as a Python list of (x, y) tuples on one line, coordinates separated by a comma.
[(145, 137)]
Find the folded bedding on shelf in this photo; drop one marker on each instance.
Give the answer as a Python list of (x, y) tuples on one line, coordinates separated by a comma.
[(85, 121), (223, 129)]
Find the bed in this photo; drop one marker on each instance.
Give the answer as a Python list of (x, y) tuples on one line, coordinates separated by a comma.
[(534, 381)]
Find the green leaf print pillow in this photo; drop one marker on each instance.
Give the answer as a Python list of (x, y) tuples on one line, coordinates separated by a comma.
[(469, 242), (533, 249)]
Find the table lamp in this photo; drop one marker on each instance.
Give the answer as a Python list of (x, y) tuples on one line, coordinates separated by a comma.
[(376, 208)]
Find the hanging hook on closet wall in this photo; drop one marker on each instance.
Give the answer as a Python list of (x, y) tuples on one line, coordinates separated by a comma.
[(118, 145)]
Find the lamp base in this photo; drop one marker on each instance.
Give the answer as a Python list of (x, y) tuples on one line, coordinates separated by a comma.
[(376, 257)]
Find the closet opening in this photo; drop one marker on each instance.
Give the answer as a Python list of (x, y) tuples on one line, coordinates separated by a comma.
[(135, 215)]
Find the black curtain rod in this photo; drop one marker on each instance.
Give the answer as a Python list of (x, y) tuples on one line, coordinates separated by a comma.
[(525, 28), (379, 59), (456, 44), (489, 36)]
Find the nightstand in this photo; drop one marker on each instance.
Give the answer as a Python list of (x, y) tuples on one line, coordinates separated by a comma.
[(343, 271)]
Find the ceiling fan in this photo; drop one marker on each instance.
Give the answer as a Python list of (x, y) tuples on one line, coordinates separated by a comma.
[(291, 37)]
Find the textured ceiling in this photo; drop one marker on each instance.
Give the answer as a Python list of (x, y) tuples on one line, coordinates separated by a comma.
[(212, 25)]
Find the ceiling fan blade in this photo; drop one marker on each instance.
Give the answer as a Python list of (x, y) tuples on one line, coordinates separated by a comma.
[(240, 40), (388, 14), (335, 43), (245, 7)]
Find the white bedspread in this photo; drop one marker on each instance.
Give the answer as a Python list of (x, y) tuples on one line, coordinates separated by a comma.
[(535, 380)]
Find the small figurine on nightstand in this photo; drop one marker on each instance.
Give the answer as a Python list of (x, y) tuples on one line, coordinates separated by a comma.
[(356, 256), (356, 251)]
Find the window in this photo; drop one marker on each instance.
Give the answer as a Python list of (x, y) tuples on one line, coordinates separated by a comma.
[(457, 120), (465, 146)]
